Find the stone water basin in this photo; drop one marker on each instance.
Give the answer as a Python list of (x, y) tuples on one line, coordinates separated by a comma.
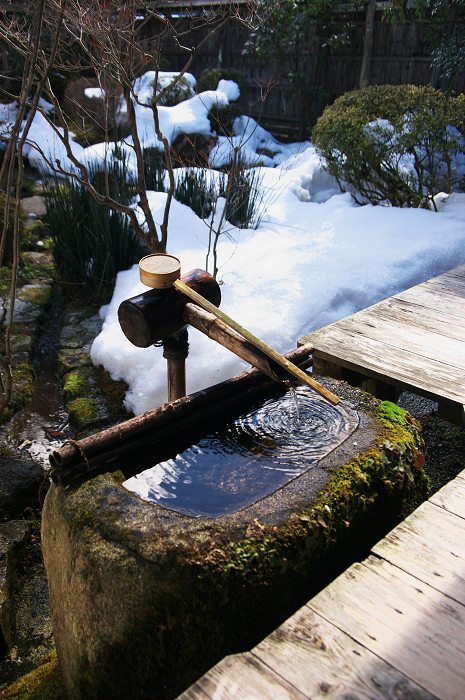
[(146, 598)]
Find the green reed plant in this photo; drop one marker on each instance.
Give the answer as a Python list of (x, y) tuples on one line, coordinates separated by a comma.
[(91, 243), (242, 190), (193, 190), (154, 169)]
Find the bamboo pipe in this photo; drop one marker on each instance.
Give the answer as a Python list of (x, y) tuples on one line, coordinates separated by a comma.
[(275, 356), (214, 328), (158, 423)]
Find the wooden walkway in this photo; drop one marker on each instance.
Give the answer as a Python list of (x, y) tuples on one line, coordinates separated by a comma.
[(389, 628), (414, 340)]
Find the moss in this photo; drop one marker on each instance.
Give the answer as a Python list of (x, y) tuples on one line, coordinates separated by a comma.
[(44, 683), (82, 410), (39, 294), (363, 499), (23, 387), (75, 384), (200, 597), (114, 392)]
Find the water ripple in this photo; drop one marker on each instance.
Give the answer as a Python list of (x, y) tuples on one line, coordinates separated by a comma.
[(248, 459)]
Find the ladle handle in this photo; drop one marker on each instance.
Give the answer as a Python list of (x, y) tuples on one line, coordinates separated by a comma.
[(279, 359)]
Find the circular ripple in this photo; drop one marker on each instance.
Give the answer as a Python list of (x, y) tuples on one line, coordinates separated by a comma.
[(290, 429)]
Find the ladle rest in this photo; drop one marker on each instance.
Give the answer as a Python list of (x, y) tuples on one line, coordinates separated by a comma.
[(144, 600)]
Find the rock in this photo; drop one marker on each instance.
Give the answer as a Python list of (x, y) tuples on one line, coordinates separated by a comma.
[(23, 484), (34, 205), (142, 597), (13, 536), (192, 149), (76, 337)]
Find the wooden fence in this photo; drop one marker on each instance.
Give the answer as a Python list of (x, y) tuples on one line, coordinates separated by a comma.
[(401, 55)]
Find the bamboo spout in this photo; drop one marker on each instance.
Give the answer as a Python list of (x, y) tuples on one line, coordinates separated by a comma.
[(143, 326), (256, 342), (214, 328)]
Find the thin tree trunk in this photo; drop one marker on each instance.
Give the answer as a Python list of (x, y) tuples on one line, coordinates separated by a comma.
[(365, 71)]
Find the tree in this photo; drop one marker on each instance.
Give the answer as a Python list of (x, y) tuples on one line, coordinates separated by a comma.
[(365, 71), (296, 35), (444, 26), (117, 41)]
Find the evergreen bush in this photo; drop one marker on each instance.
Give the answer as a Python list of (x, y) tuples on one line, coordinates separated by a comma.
[(392, 143), (154, 169), (176, 94), (240, 188), (244, 205), (192, 189)]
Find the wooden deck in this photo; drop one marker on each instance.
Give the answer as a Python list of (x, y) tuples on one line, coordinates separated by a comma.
[(414, 340), (389, 628)]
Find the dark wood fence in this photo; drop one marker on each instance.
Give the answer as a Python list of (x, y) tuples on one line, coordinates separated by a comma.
[(401, 55)]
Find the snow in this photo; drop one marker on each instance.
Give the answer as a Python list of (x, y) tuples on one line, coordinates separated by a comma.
[(315, 258)]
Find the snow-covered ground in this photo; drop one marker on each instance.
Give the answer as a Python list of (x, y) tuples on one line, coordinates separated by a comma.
[(315, 258)]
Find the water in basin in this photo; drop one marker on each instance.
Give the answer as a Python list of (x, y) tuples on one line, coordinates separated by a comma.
[(247, 459)]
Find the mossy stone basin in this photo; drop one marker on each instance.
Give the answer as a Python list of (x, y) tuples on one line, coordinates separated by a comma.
[(145, 600)]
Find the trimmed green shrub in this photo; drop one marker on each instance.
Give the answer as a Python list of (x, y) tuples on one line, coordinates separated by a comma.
[(392, 143), (211, 77)]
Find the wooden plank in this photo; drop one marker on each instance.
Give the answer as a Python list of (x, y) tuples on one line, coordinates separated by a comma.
[(446, 287), (429, 544), (420, 316), (434, 299), (377, 359), (325, 664), (410, 625), (419, 341), (451, 497), (241, 676)]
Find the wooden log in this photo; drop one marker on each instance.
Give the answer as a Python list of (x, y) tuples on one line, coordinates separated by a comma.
[(155, 424), (152, 316)]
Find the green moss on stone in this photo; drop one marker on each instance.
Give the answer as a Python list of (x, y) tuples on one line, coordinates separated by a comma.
[(386, 483), (82, 410), (23, 387), (37, 294), (44, 683), (75, 384)]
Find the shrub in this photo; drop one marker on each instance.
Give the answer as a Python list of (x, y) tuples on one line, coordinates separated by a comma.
[(392, 143), (176, 94), (92, 117), (154, 169), (211, 77), (240, 187), (91, 243), (244, 205)]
